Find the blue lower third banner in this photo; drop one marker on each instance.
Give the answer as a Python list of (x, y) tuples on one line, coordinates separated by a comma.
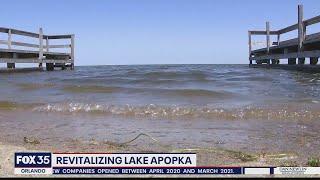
[(148, 170)]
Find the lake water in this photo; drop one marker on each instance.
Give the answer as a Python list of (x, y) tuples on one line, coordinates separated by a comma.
[(229, 106)]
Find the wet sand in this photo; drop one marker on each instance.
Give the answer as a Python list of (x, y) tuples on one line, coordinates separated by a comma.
[(205, 157), (217, 143)]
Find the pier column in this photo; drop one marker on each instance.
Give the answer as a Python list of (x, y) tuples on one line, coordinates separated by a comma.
[(11, 65), (314, 60), (292, 61), (49, 66), (301, 60)]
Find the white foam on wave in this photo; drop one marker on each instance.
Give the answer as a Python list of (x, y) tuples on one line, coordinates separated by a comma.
[(152, 110)]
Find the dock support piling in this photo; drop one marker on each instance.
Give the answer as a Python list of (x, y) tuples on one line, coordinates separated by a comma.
[(268, 61), (11, 65), (301, 28), (292, 61), (314, 60), (49, 66), (72, 52), (14, 56), (40, 46), (268, 36), (274, 61), (9, 39), (250, 46), (301, 60)]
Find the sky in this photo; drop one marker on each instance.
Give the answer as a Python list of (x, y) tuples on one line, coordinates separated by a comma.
[(112, 32)]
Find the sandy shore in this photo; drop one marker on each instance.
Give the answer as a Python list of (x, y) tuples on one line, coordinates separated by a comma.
[(205, 157), (7, 158)]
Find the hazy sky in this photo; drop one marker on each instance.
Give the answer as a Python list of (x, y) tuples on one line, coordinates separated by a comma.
[(155, 31)]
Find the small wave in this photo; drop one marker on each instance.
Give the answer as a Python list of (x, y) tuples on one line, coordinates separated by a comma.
[(90, 89), (175, 111), (6, 105), (34, 86), (248, 78), (154, 91), (175, 75), (198, 92)]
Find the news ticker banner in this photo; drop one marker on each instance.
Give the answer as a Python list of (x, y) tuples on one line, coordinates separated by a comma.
[(46, 163)]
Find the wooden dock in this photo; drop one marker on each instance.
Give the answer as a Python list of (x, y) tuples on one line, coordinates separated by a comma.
[(40, 53), (295, 51)]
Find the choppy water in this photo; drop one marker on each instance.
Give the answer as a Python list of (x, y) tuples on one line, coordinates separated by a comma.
[(246, 108)]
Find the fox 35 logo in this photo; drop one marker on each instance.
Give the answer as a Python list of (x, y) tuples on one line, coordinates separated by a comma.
[(32, 160)]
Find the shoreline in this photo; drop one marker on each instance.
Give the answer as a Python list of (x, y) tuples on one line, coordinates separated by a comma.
[(205, 157)]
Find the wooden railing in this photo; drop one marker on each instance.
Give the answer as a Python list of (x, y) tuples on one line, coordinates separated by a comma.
[(301, 26), (40, 46)]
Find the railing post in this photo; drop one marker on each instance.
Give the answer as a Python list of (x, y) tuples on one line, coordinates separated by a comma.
[(268, 36), (9, 39), (72, 51), (40, 44), (250, 46), (11, 65), (300, 28)]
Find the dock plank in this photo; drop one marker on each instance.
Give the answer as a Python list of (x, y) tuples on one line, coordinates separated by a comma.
[(33, 52)]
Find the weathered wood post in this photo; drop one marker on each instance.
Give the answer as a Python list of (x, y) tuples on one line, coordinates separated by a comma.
[(9, 39), (301, 33), (72, 51), (10, 65), (47, 44), (300, 27), (47, 49), (40, 46), (268, 39), (277, 61), (250, 46), (268, 36)]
